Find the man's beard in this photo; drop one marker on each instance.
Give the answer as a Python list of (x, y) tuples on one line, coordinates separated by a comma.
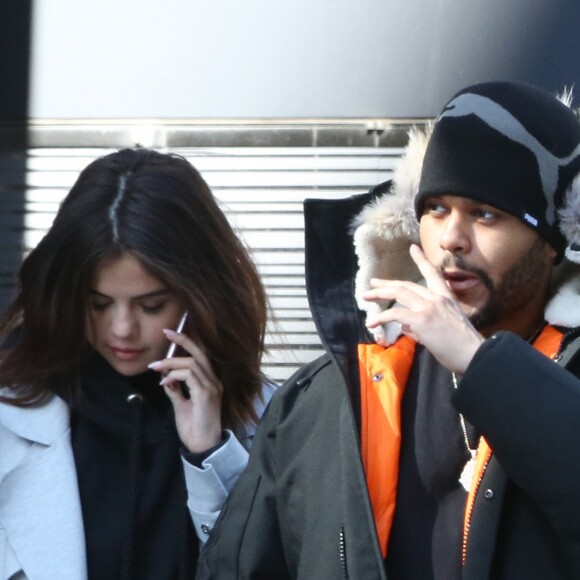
[(515, 290)]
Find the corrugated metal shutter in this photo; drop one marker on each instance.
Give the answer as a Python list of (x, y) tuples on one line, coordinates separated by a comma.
[(261, 189)]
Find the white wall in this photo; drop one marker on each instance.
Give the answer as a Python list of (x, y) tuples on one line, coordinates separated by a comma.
[(289, 58)]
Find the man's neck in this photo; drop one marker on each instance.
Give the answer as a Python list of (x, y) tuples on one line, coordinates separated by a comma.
[(526, 329)]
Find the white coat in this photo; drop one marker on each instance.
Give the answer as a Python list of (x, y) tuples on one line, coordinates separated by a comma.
[(41, 525)]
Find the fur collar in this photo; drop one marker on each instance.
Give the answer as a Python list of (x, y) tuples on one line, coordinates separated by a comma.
[(385, 229)]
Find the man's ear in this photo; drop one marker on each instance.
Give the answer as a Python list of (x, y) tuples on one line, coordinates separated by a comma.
[(551, 251)]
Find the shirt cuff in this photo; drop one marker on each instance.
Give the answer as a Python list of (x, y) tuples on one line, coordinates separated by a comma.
[(208, 486)]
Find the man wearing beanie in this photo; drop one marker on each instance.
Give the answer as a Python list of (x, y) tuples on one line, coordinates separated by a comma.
[(439, 437)]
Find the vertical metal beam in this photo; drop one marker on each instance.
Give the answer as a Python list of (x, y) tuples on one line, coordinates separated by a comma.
[(15, 51)]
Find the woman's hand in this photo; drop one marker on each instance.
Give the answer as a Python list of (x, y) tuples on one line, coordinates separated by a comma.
[(198, 418), (430, 316)]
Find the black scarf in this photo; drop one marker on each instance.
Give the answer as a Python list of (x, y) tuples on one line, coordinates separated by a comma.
[(425, 541), (130, 477)]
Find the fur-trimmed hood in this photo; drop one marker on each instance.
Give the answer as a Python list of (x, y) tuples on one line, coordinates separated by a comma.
[(386, 228)]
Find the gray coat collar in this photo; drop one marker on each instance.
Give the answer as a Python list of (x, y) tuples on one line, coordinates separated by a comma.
[(42, 424), (40, 509)]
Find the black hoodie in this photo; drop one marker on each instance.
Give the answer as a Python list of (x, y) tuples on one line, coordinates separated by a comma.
[(130, 477)]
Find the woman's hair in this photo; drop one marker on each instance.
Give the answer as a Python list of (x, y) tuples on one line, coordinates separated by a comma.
[(159, 208)]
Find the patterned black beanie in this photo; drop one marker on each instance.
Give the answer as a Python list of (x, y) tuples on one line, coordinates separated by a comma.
[(509, 145)]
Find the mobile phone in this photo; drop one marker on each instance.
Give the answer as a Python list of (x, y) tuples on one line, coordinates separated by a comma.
[(173, 346), (180, 326)]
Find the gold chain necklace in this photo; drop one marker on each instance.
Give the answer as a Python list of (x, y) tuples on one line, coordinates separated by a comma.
[(466, 477), (468, 471)]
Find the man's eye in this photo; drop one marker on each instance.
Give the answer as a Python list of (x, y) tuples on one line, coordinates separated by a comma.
[(485, 214), (433, 208)]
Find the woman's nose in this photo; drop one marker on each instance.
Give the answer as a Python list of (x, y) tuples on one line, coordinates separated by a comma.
[(123, 324)]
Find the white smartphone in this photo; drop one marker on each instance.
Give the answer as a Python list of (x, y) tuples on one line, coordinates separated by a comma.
[(180, 326), (173, 346)]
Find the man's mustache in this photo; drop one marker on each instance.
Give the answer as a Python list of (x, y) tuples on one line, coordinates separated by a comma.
[(459, 262)]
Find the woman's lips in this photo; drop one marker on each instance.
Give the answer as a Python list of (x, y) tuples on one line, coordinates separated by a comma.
[(460, 281), (126, 354)]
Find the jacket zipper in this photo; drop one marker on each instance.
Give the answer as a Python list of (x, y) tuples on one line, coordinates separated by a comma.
[(342, 552), (465, 543), (565, 337), (470, 513)]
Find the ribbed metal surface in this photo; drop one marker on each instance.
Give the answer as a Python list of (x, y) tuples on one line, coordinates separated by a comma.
[(261, 189)]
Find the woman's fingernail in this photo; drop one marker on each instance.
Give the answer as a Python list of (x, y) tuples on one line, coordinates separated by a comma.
[(155, 364), (169, 332)]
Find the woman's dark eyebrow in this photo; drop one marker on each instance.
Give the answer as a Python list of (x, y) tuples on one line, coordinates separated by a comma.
[(153, 294)]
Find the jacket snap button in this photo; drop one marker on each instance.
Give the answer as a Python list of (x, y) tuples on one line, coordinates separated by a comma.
[(205, 529), (378, 377), (488, 494)]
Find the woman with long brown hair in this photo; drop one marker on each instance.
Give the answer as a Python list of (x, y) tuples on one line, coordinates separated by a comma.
[(105, 436)]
